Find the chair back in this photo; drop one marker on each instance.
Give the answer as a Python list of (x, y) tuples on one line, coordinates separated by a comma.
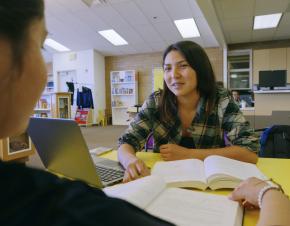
[(275, 142)]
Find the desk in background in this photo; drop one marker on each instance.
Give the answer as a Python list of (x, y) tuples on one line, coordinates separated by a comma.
[(276, 169)]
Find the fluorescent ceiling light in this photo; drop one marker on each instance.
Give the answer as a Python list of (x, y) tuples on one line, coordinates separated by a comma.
[(187, 28), (113, 37), (267, 21), (55, 45)]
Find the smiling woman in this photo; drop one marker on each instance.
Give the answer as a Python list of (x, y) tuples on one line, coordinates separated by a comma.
[(189, 118)]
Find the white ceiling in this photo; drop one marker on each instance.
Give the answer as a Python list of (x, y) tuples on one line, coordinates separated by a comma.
[(148, 25), (237, 17)]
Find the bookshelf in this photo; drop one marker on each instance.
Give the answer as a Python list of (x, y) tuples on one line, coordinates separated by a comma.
[(53, 105), (43, 106), (124, 94)]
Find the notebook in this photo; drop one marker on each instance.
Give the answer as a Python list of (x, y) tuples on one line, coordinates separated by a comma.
[(63, 150)]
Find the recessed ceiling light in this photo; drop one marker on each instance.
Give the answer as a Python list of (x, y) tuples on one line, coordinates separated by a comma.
[(55, 45), (267, 21), (113, 37), (187, 28)]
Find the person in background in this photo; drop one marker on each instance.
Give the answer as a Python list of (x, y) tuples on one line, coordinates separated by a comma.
[(29, 196), (274, 205), (189, 118), (236, 96)]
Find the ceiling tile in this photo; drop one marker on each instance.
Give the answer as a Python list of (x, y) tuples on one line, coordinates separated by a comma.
[(91, 19), (73, 5), (283, 30), (177, 9), (263, 35), (111, 17), (264, 7), (131, 35), (167, 31), (240, 37), (158, 46), (238, 24), (236, 9), (205, 31), (196, 11), (142, 47), (152, 9), (196, 40), (148, 33), (131, 13), (285, 22)]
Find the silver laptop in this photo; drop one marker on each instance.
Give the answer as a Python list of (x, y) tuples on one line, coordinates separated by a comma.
[(62, 149)]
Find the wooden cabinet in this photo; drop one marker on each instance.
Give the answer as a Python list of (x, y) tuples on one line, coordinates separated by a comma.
[(124, 94), (261, 61), (269, 59), (16, 148), (54, 105), (61, 105), (288, 64)]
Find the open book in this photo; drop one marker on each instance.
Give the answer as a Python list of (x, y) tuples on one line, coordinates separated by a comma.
[(214, 172), (179, 206)]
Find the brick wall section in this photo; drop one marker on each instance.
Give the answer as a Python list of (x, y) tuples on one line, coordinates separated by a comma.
[(144, 63)]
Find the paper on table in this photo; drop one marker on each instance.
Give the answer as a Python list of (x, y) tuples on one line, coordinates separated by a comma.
[(100, 150)]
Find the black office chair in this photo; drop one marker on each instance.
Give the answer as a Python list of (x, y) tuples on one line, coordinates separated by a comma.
[(275, 142)]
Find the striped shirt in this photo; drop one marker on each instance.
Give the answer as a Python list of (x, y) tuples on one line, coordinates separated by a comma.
[(225, 122)]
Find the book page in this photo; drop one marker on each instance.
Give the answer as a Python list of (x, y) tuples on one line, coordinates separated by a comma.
[(180, 171), (139, 192), (100, 150), (222, 166), (185, 207)]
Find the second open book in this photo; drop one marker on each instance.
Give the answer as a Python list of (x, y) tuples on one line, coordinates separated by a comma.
[(179, 206), (214, 172)]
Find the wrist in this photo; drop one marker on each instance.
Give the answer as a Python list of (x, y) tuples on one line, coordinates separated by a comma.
[(264, 190), (129, 160)]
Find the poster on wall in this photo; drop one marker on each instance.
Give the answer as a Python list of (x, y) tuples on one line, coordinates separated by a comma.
[(157, 78)]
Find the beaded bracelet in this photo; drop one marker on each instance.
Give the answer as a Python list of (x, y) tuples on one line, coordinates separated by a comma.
[(263, 191)]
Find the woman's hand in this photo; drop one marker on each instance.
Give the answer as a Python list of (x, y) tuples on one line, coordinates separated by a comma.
[(135, 170), (247, 192), (171, 152)]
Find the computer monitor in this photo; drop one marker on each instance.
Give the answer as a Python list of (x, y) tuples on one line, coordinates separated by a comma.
[(272, 79)]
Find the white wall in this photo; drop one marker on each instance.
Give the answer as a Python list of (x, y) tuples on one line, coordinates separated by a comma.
[(90, 72), (99, 81)]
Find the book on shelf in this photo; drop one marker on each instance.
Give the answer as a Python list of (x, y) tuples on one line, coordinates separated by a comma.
[(214, 172), (179, 206)]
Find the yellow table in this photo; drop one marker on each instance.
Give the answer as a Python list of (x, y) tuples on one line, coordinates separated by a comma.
[(277, 169)]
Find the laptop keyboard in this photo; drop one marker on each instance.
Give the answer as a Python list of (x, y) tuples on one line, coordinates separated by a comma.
[(108, 174)]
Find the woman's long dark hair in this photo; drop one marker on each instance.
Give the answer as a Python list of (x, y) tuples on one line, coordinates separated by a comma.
[(15, 18), (206, 83)]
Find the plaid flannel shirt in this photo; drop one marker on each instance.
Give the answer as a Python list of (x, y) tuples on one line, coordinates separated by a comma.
[(226, 122)]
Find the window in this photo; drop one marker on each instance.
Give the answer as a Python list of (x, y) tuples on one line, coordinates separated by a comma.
[(240, 70)]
